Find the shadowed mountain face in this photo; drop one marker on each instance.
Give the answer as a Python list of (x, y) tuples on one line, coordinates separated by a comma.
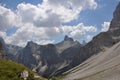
[(103, 51), (102, 66), (115, 23), (2, 55), (10, 50), (47, 59), (100, 42)]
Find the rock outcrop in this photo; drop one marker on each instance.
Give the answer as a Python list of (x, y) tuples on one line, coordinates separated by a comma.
[(48, 59), (102, 66), (101, 56), (100, 42), (54, 59), (115, 23), (10, 50), (2, 55)]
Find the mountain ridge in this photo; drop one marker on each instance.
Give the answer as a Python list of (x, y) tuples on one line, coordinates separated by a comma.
[(103, 66), (99, 42), (53, 59), (47, 59), (102, 61)]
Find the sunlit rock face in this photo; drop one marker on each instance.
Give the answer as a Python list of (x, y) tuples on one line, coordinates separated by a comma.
[(100, 58), (10, 50), (100, 42), (57, 58), (115, 23), (48, 59)]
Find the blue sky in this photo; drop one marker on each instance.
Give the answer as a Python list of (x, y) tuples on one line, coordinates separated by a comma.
[(48, 21)]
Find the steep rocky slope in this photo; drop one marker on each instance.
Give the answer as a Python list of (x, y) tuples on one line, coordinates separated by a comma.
[(10, 50), (47, 59), (2, 55), (102, 66), (100, 42), (105, 51), (55, 59), (10, 70)]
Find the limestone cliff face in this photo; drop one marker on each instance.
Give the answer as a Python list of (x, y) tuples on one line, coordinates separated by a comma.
[(115, 23), (100, 42), (102, 66), (2, 55), (47, 59), (99, 59)]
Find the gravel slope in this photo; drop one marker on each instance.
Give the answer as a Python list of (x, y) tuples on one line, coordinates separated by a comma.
[(103, 66)]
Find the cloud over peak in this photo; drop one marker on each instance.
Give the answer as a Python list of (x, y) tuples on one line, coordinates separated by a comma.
[(43, 21), (105, 26)]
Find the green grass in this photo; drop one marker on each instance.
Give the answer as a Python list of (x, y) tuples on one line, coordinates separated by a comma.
[(11, 71)]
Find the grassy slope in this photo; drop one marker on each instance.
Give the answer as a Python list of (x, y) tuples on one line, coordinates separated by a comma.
[(11, 71)]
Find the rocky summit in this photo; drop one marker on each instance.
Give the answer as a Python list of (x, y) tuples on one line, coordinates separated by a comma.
[(100, 42), (100, 56), (48, 59), (115, 23), (102, 66)]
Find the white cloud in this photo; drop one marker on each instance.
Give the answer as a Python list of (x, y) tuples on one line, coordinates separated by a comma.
[(74, 3), (3, 34), (53, 12), (43, 35), (44, 42), (6, 18), (89, 38), (105, 26), (79, 31), (24, 34), (77, 34), (51, 21), (69, 9), (41, 22), (26, 12)]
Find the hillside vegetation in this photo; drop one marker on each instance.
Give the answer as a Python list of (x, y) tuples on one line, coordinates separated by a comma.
[(11, 71)]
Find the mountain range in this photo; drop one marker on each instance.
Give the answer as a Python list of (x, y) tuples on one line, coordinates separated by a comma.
[(47, 59), (88, 61), (44, 59)]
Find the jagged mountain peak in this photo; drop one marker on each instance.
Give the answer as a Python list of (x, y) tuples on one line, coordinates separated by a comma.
[(1, 39), (115, 23), (84, 42), (117, 11), (31, 43), (67, 38)]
